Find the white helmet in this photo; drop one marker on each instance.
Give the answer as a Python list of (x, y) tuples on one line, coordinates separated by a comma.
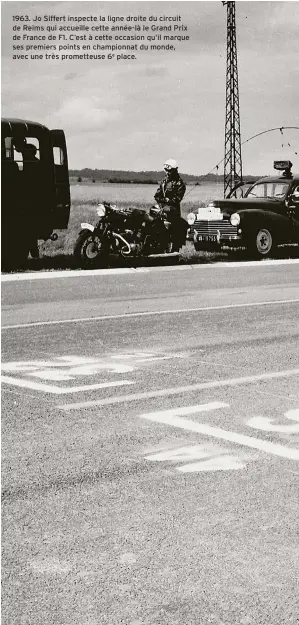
[(170, 164)]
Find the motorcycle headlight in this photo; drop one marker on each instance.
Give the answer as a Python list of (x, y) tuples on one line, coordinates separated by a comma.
[(235, 219), (101, 210), (191, 219)]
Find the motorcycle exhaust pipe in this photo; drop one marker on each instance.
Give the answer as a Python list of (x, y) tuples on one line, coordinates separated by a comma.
[(120, 238)]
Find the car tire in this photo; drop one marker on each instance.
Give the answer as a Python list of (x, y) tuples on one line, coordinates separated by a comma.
[(262, 243)]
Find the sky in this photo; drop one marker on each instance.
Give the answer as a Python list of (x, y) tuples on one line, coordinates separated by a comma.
[(133, 115)]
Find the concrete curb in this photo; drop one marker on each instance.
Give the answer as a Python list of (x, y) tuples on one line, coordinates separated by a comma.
[(47, 275)]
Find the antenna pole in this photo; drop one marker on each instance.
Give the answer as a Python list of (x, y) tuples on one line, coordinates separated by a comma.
[(232, 144)]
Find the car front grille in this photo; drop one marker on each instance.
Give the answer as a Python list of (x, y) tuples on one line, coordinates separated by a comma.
[(208, 228)]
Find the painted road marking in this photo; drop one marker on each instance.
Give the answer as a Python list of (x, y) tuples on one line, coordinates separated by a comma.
[(148, 314), (182, 389), (212, 461), (220, 463), (48, 275), (81, 365), (212, 405), (267, 425), (184, 454), (59, 390), (62, 375), (64, 368), (173, 417), (215, 458), (26, 366)]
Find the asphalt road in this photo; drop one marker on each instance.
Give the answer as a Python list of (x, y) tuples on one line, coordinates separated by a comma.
[(150, 447)]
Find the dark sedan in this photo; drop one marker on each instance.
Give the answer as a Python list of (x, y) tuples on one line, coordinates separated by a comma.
[(267, 216)]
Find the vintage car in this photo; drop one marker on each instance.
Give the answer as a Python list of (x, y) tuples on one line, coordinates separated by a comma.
[(266, 215)]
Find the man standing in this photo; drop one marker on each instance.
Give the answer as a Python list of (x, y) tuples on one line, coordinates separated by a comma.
[(169, 195)]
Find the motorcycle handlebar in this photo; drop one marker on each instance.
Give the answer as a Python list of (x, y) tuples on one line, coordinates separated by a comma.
[(159, 211)]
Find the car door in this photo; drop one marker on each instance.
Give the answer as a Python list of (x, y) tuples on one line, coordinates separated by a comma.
[(293, 210), (62, 210)]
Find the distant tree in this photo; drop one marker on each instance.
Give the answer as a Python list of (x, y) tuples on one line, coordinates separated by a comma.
[(140, 177)]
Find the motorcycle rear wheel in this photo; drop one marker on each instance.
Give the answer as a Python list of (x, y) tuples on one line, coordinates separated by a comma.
[(88, 250)]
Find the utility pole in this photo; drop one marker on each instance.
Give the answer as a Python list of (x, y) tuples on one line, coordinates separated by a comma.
[(232, 143)]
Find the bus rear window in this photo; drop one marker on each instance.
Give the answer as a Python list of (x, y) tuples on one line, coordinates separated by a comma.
[(58, 156), (21, 151)]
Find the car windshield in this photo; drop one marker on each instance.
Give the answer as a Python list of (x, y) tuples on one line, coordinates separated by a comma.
[(269, 190)]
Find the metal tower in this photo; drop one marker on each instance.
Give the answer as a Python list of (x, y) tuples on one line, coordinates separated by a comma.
[(232, 144)]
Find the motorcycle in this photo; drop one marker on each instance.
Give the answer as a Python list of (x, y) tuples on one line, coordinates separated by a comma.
[(126, 233)]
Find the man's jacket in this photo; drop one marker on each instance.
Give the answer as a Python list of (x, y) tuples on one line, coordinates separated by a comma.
[(172, 189)]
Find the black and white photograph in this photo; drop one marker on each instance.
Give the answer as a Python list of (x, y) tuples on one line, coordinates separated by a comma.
[(150, 312)]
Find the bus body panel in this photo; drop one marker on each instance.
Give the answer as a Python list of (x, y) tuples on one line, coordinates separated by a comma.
[(35, 182), (63, 199)]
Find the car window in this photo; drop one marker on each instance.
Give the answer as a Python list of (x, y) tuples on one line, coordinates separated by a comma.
[(269, 190), (258, 190), (277, 189)]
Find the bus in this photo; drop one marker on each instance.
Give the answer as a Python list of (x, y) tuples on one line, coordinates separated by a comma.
[(35, 189)]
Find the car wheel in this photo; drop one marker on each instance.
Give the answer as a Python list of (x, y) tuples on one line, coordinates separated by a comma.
[(262, 243)]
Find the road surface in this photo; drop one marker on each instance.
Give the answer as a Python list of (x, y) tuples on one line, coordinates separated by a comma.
[(150, 446)]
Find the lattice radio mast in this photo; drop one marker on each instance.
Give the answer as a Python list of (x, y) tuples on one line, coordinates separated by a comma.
[(232, 144)]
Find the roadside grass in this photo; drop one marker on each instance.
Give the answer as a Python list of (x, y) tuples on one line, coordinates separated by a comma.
[(55, 255)]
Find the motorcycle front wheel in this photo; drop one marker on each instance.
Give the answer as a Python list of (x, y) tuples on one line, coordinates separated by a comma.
[(88, 250)]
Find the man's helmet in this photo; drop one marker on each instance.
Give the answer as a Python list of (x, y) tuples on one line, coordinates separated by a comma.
[(170, 164)]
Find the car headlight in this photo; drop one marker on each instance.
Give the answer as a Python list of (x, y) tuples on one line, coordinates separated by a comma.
[(101, 210), (235, 219), (191, 219)]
